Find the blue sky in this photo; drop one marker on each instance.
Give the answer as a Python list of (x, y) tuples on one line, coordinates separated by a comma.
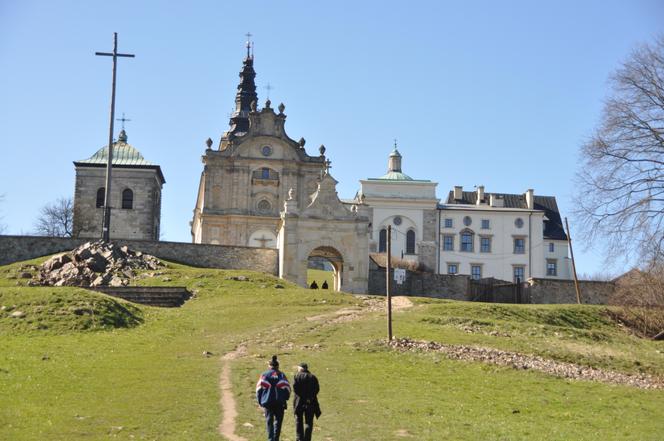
[(499, 94)]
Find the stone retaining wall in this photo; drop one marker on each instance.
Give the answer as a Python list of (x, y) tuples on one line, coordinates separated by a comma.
[(18, 248), (563, 291), (421, 284)]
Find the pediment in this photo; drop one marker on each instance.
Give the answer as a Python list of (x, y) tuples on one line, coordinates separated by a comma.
[(325, 203)]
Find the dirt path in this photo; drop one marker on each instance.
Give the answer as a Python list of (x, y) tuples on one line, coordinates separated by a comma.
[(227, 400)]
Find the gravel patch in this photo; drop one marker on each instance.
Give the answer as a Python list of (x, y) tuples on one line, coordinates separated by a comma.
[(529, 362)]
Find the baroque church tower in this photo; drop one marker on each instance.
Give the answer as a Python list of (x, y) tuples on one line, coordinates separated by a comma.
[(247, 178)]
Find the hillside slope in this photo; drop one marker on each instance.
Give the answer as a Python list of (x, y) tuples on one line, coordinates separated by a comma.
[(156, 376)]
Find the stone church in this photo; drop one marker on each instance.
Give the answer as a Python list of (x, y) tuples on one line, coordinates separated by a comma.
[(260, 188)]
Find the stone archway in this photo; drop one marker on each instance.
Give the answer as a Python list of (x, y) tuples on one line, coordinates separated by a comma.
[(325, 228), (335, 259)]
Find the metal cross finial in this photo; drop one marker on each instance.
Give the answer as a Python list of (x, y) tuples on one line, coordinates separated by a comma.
[(248, 35), (269, 87), (123, 119), (395, 143), (328, 166)]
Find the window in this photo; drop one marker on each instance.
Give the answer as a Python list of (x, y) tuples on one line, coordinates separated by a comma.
[(476, 272), (551, 247), (452, 268), (485, 244), (264, 206), (265, 173), (551, 268), (449, 223), (486, 224), (467, 221), (519, 272), (266, 150), (382, 241), (397, 220), (410, 242), (519, 245), (448, 243), (100, 197), (127, 199), (518, 222), (467, 241)]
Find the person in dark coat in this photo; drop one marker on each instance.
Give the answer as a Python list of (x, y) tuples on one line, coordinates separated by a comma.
[(272, 393), (324, 285), (305, 403), (314, 285)]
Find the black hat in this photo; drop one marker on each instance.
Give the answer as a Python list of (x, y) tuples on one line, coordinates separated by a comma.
[(304, 366), (274, 362)]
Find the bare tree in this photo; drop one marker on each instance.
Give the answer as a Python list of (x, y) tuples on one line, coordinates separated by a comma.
[(56, 219), (621, 194)]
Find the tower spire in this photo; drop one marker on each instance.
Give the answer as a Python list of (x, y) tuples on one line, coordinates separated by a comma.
[(246, 93)]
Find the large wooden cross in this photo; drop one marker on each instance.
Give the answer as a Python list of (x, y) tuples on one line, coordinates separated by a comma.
[(106, 226)]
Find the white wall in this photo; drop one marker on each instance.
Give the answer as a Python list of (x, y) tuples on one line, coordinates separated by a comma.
[(500, 262)]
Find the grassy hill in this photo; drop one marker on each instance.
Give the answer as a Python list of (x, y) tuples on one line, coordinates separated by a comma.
[(82, 365)]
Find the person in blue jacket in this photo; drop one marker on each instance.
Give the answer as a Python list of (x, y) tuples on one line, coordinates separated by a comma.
[(272, 393)]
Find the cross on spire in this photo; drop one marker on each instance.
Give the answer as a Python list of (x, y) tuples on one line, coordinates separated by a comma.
[(123, 119), (248, 35)]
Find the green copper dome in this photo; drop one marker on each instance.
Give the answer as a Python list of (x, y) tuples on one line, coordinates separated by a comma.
[(396, 176), (123, 154)]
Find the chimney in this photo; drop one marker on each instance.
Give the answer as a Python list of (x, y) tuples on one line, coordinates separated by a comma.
[(530, 199), (480, 194), (496, 201), (458, 192)]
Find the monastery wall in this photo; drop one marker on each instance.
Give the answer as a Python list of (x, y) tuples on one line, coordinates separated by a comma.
[(18, 248)]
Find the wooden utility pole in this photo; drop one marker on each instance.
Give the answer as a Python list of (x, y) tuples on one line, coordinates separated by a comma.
[(571, 252), (106, 226), (388, 266)]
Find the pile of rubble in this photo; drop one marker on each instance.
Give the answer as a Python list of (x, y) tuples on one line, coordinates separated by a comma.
[(95, 264), (526, 362)]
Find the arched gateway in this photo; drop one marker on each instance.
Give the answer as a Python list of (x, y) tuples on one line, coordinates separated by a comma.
[(325, 228)]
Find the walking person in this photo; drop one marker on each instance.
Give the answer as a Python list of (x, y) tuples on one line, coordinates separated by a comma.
[(305, 402), (272, 393)]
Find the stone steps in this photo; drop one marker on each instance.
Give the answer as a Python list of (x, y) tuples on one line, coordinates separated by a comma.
[(161, 296)]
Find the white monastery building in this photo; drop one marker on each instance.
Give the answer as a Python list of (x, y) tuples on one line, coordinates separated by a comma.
[(504, 236)]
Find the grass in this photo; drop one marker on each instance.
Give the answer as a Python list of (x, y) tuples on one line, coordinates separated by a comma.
[(320, 276), (141, 374)]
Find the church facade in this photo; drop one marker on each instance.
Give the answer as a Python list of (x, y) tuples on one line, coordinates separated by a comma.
[(247, 178)]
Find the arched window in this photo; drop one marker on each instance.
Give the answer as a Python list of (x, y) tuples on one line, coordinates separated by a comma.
[(410, 242), (100, 197), (127, 199), (382, 241)]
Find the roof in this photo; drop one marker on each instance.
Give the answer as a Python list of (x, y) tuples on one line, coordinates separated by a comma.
[(395, 176), (124, 155), (553, 225)]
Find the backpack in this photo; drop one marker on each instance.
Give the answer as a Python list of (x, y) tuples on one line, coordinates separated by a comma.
[(274, 389)]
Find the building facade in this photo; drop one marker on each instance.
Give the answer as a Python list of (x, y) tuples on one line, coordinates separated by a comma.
[(248, 177), (409, 206), (504, 236), (135, 197)]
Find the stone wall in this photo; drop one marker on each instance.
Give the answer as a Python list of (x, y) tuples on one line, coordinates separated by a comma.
[(17, 248), (421, 284), (563, 291)]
